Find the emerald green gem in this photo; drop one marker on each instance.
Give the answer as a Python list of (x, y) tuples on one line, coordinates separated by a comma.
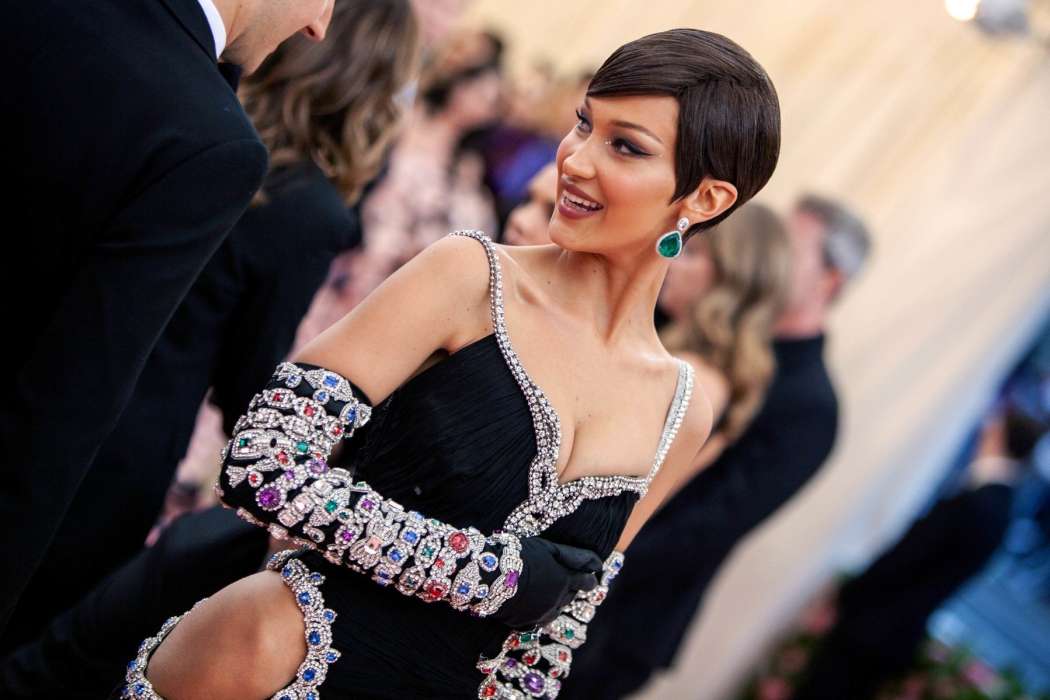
[(302, 446), (670, 245), (569, 633), (330, 506), (428, 550), (526, 637), (243, 442)]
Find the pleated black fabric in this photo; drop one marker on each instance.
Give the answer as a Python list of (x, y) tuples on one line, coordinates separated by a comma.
[(454, 443)]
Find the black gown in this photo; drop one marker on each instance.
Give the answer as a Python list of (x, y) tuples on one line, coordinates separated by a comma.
[(460, 442)]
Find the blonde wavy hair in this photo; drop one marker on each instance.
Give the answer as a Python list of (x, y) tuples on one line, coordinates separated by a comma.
[(731, 325), (336, 102)]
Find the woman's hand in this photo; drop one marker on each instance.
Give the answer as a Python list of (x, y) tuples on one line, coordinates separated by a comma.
[(551, 575)]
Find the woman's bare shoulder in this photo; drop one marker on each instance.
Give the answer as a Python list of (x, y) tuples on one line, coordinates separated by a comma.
[(246, 641)]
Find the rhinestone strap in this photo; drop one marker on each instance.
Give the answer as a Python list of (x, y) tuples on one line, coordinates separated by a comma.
[(548, 499), (318, 620), (533, 663)]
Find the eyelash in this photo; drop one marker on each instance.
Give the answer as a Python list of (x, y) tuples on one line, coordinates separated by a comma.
[(620, 145)]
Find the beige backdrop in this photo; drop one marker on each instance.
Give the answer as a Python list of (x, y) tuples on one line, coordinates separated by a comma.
[(941, 138)]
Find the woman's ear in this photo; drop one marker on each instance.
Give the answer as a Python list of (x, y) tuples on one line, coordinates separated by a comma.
[(710, 199)]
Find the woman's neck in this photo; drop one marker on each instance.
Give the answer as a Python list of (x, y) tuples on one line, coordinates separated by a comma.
[(614, 293)]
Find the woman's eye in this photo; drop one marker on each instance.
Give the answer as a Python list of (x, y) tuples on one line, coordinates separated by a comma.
[(625, 147), (582, 124)]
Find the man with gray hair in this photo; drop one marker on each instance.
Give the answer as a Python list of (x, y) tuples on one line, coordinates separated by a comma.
[(676, 555)]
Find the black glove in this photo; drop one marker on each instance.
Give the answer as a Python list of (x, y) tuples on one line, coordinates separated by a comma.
[(551, 576)]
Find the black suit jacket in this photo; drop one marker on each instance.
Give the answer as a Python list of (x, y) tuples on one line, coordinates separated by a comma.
[(132, 158), (236, 323), (675, 556)]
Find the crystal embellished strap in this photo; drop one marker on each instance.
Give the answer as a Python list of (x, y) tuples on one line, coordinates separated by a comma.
[(533, 663), (683, 392), (318, 619)]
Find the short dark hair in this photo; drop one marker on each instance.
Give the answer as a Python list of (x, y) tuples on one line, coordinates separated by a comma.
[(728, 112)]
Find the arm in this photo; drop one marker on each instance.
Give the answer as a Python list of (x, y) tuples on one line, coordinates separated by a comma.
[(276, 472)]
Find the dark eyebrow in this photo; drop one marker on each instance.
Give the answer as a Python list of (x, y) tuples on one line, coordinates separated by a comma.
[(626, 125), (636, 127)]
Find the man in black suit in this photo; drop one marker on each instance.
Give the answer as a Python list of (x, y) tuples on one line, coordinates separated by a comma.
[(128, 148), (676, 555)]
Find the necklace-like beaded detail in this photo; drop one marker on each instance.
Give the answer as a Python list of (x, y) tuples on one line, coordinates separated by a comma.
[(549, 500)]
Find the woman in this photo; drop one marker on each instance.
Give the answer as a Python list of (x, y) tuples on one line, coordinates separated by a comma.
[(723, 296), (521, 491)]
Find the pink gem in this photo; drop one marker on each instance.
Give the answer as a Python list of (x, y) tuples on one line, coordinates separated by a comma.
[(512, 579)]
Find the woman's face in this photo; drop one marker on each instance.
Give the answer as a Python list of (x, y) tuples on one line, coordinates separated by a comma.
[(690, 275), (527, 224), (476, 101), (616, 176)]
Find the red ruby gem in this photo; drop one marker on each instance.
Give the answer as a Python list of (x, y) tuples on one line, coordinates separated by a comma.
[(278, 396), (282, 457), (554, 673), (440, 563), (459, 542), (309, 410), (563, 656), (489, 691)]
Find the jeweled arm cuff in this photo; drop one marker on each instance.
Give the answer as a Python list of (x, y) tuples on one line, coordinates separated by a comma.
[(276, 474), (532, 664)]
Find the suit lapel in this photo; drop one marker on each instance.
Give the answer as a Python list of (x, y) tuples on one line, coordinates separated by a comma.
[(189, 14)]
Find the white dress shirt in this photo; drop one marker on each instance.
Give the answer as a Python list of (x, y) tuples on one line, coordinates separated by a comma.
[(218, 29)]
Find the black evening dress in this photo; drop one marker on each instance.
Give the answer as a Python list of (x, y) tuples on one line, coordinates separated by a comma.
[(471, 441)]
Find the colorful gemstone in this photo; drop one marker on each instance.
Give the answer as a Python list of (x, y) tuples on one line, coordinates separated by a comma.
[(331, 657), (309, 674), (464, 589), (309, 410), (367, 504), (329, 615), (317, 466), (410, 536), (395, 555), (303, 447), (510, 663), (304, 598), (282, 457), (269, 498), (321, 396), (512, 579), (330, 506), (533, 682), (331, 381), (459, 542), (489, 691), (244, 442), (314, 638)]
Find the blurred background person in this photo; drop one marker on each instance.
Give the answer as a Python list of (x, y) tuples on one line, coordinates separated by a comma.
[(127, 207), (883, 612), (527, 223), (432, 184), (750, 474), (326, 112)]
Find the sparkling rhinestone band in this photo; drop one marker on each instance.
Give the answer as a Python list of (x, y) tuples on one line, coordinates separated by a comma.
[(318, 619), (532, 664)]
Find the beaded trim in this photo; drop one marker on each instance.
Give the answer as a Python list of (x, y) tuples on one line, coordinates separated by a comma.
[(533, 663), (548, 499), (317, 618)]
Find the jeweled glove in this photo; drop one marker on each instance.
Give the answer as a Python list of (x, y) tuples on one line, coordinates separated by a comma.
[(276, 474), (533, 663)]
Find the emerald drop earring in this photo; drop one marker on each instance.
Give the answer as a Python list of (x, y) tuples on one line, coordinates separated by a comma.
[(670, 245)]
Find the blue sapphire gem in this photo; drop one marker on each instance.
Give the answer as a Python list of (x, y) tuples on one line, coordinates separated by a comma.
[(314, 638), (321, 395), (309, 674), (395, 555), (287, 572), (410, 536), (139, 689), (311, 696), (329, 615), (132, 665), (304, 598), (331, 381), (351, 415), (330, 657), (315, 578), (463, 589)]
